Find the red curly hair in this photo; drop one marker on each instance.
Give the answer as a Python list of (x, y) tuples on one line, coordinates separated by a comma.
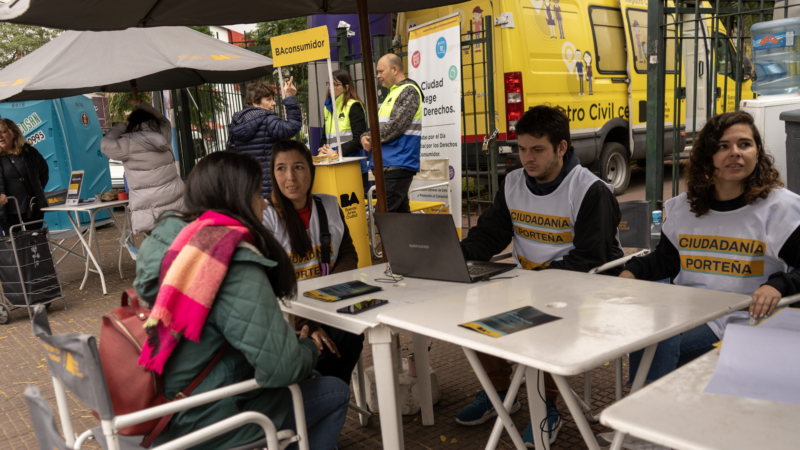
[(701, 172)]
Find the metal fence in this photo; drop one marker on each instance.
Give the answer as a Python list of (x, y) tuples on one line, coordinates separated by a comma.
[(712, 49)]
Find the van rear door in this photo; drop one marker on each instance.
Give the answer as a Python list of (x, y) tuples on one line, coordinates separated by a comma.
[(634, 15)]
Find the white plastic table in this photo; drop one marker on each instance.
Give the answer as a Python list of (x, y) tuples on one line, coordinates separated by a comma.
[(410, 291), (674, 411), (92, 209), (603, 318)]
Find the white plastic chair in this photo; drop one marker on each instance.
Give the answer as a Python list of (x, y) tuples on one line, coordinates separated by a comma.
[(74, 364), (416, 206)]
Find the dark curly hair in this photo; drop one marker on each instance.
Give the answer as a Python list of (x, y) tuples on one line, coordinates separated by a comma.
[(700, 171)]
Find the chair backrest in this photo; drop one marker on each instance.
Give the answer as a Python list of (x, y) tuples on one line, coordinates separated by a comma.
[(74, 360), (44, 426), (634, 227)]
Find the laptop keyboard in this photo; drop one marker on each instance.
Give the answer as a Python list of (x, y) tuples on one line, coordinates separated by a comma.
[(476, 271)]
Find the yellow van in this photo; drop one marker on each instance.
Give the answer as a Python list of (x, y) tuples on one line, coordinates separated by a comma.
[(573, 54)]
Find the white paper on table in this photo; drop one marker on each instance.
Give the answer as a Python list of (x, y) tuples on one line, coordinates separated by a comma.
[(759, 362), (785, 319)]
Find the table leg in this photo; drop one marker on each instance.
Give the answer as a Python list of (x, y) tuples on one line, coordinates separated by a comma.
[(534, 381), (93, 235), (502, 412), (388, 387), (516, 381), (89, 255), (423, 377), (576, 411), (638, 383), (121, 234), (360, 389)]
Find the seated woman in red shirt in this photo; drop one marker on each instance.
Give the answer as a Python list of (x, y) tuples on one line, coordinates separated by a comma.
[(295, 216)]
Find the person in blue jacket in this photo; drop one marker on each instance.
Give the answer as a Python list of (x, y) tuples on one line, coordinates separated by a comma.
[(255, 128)]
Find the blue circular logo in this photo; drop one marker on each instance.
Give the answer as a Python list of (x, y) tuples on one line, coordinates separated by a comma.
[(441, 47)]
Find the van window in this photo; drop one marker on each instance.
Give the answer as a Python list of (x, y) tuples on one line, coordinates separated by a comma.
[(725, 56), (637, 21), (609, 33)]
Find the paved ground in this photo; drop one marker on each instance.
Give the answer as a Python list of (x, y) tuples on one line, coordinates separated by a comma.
[(22, 363)]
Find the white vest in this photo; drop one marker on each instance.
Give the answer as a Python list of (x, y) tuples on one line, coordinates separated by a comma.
[(308, 266), (544, 226), (734, 251)]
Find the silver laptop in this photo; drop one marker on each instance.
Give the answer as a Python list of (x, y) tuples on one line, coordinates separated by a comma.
[(427, 246)]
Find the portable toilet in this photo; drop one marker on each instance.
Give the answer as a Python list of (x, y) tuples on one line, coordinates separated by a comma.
[(67, 133)]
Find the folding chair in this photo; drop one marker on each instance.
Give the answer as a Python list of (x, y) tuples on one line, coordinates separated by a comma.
[(416, 206), (74, 364)]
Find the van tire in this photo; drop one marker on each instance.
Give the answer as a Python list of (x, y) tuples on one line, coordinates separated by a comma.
[(615, 166)]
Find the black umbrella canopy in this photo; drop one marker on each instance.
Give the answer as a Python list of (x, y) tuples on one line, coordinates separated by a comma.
[(121, 14)]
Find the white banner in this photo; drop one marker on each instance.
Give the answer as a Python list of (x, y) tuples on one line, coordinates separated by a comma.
[(435, 64)]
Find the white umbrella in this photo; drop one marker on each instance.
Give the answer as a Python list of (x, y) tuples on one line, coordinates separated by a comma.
[(79, 62)]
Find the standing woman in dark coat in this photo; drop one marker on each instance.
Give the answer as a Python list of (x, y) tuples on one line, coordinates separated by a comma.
[(24, 175), (254, 129)]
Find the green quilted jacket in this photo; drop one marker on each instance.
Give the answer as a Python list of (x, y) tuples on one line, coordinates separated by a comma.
[(263, 346)]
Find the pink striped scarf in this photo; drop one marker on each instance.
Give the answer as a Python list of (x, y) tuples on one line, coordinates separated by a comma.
[(191, 273)]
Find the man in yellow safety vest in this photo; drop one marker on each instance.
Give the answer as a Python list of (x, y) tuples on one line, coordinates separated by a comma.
[(400, 119)]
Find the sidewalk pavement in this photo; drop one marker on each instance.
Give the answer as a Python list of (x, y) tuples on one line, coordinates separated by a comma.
[(22, 363)]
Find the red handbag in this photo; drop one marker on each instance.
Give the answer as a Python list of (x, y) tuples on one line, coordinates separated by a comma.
[(132, 387)]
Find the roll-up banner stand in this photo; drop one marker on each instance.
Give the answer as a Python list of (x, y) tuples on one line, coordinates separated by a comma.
[(434, 62)]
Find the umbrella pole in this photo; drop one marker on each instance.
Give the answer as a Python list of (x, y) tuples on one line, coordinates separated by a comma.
[(134, 90), (372, 105)]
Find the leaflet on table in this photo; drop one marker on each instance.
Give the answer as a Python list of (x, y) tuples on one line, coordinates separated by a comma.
[(74, 191), (510, 322), (341, 291), (760, 362)]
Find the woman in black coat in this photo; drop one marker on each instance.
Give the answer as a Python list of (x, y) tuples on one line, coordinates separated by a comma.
[(23, 175)]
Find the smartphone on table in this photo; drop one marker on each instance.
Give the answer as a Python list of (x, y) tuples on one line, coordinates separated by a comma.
[(365, 305)]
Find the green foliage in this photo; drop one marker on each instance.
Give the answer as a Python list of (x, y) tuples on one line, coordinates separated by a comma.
[(17, 41), (204, 30), (118, 108), (259, 41), (267, 30), (468, 184), (301, 136), (204, 102)]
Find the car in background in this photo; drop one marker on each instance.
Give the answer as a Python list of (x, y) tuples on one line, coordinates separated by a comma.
[(117, 173)]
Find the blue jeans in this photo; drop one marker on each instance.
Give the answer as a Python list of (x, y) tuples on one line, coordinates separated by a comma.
[(674, 352), (325, 401)]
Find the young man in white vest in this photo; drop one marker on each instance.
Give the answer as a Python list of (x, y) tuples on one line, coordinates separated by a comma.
[(558, 215), (400, 118)]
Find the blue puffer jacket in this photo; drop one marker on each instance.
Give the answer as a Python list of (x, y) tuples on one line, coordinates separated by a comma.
[(254, 130)]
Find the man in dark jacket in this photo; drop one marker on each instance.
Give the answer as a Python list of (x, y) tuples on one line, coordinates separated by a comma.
[(254, 129), (559, 216)]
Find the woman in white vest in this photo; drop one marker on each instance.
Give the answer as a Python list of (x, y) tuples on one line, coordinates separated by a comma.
[(352, 122), (735, 229), (296, 219)]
